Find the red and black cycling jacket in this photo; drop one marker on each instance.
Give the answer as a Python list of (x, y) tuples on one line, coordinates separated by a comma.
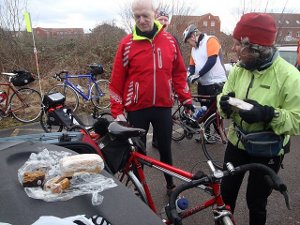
[(146, 72)]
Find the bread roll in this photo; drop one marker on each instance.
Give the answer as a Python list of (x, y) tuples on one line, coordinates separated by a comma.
[(83, 163), (57, 184)]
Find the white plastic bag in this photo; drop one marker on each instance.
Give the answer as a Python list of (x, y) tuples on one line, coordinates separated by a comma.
[(80, 184)]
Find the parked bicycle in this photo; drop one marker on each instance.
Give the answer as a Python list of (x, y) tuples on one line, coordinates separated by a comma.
[(96, 92), (222, 213), (213, 126), (24, 104), (56, 116), (126, 161)]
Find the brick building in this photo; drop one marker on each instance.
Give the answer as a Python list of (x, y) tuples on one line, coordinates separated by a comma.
[(288, 27), (46, 33), (206, 23)]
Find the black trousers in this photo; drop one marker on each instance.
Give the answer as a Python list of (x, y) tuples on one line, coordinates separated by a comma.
[(161, 120), (258, 190)]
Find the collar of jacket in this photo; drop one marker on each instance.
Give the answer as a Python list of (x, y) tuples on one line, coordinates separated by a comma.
[(136, 37), (262, 67)]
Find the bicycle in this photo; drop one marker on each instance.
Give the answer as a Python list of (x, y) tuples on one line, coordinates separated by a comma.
[(127, 165), (211, 123), (222, 213), (97, 90), (56, 116), (24, 104)]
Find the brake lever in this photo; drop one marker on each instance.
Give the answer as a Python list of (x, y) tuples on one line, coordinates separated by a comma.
[(57, 77)]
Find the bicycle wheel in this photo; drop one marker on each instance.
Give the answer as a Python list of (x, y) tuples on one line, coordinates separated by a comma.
[(26, 105), (178, 133), (215, 139), (100, 94), (72, 99), (46, 126), (131, 181)]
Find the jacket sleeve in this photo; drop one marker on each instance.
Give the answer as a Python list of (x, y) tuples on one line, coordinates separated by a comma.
[(287, 117), (116, 86), (227, 88), (179, 77)]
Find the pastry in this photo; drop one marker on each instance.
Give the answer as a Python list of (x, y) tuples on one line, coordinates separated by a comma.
[(57, 184), (33, 178)]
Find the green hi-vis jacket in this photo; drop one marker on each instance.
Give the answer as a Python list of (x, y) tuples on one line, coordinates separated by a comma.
[(277, 86)]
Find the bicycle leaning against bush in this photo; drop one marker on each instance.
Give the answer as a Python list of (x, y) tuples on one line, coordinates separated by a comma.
[(24, 103), (97, 90)]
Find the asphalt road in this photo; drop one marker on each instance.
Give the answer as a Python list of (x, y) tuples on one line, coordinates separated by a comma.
[(188, 155)]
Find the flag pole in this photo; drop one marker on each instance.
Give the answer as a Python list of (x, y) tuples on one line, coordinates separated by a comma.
[(29, 29)]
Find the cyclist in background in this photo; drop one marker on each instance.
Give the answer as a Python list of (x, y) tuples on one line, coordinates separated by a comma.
[(142, 83), (270, 82), (206, 63), (163, 17)]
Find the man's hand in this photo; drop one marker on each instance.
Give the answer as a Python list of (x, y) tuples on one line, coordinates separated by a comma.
[(192, 78), (189, 109), (121, 117), (225, 106), (258, 113)]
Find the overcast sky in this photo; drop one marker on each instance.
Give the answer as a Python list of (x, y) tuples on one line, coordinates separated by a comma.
[(89, 13)]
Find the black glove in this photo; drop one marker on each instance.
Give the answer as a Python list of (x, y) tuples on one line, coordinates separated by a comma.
[(189, 107), (225, 106), (259, 113)]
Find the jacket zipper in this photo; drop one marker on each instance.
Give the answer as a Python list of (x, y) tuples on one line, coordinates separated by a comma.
[(136, 97), (154, 75), (247, 93), (250, 85)]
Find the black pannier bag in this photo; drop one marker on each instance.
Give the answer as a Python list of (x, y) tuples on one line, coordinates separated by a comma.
[(22, 78), (116, 151), (96, 69), (53, 100)]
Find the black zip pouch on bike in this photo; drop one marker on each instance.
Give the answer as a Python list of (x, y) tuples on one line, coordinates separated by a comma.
[(22, 78), (116, 151), (262, 143)]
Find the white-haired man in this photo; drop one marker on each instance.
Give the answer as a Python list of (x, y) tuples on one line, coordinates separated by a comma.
[(148, 66)]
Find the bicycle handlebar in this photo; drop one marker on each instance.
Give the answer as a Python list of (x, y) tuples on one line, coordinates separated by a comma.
[(271, 178), (58, 76)]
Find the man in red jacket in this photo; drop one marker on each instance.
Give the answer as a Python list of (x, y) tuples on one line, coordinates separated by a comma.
[(148, 66)]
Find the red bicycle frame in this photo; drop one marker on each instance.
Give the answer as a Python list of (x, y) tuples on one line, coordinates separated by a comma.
[(137, 160), (10, 88)]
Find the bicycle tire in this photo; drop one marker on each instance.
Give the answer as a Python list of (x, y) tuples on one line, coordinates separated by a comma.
[(49, 128), (72, 98), (178, 133), (27, 109), (177, 129), (213, 145), (100, 98), (131, 181)]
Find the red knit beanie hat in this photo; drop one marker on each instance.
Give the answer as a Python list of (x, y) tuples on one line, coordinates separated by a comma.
[(260, 28)]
